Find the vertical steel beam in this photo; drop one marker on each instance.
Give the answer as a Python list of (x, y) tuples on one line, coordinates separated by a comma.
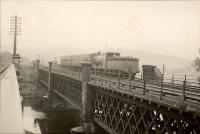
[(37, 80), (49, 80), (144, 88), (184, 84), (161, 90), (87, 100)]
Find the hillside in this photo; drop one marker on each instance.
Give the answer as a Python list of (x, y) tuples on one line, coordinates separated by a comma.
[(171, 63), (6, 58)]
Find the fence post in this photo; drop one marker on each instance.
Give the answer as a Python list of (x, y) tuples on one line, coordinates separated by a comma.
[(110, 79), (102, 74), (49, 81), (144, 88), (119, 75), (130, 81), (184, 84), (37, 80), (161, 91)]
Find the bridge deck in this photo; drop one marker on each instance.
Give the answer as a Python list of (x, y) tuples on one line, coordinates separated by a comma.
[(10, 105), (172, 94)]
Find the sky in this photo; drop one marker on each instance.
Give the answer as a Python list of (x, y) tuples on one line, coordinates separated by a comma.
[(58, 27)]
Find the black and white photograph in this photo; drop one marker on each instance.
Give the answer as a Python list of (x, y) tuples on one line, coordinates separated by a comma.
[(99, 66)]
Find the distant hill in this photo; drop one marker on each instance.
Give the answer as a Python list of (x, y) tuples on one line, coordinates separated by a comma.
[(6, 57), (172, 64)]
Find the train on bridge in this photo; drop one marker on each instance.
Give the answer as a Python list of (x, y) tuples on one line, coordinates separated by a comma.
[(111, 62)]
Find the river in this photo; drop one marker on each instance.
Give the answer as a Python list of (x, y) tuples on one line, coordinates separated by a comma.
[(36, 121)]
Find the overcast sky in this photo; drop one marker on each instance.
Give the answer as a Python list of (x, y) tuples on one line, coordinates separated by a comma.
[(64, 27)]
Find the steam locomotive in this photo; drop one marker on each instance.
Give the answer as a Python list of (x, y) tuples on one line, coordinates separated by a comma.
[(110, 61)]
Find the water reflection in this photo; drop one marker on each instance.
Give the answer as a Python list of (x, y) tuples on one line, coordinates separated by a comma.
[(54, 121), (30, 120)]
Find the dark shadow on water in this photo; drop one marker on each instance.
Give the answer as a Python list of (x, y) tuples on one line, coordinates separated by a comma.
[(51, 122), (59, 122)]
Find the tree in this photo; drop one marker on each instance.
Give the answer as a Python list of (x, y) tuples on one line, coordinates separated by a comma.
[(196, 64)]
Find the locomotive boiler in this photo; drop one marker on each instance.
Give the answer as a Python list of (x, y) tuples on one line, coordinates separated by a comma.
[(111, 61)]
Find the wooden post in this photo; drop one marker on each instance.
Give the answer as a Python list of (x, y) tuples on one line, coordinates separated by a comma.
[(87, 100), (119, 75), (129, 82), (110, 75), (144, 88), (184, 84), (49, 81), (163, 73), (161, 91)]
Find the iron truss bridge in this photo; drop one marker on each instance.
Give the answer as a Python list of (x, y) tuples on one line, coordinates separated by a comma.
[(130, 106)]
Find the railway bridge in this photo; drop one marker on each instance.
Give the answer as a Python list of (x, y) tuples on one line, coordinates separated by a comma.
[(122, 105)]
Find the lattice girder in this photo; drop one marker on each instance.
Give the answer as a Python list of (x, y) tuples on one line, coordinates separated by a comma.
[(44, 75), (68, 87), (122, 115)]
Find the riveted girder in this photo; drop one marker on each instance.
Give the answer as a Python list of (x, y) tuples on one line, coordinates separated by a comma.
[(122, 114), (127, 107)]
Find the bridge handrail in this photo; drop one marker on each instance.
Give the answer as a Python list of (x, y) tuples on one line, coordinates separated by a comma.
[(181, 89), (150, 88), (3, 70), (59, 68)]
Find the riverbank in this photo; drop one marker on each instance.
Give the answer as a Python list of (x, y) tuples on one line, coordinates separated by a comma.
[(27, 84), (36, 119)]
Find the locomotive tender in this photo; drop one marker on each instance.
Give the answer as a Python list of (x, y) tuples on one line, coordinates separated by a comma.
[(110, 61)]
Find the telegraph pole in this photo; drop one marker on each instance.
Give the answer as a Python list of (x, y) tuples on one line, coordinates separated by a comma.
[(15, 30)]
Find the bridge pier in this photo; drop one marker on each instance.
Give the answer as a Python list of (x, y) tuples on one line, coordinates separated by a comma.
[(50, 99), (87, 103), (49, 80), (87, 100), (37, 79)]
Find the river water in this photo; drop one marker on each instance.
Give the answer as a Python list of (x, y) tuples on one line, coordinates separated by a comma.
[(36, 121)]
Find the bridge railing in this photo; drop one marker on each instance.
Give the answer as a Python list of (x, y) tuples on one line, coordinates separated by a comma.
[(179, 89), (3, 69), (64, 71), (164, 90)]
